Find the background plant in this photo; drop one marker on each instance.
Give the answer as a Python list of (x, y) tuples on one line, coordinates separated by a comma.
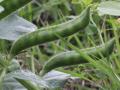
[(23, 70)]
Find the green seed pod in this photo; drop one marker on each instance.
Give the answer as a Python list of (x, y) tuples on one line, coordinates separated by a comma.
[(49, 34), (74, 58)]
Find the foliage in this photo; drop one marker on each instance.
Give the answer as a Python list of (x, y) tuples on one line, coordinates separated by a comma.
[(35, 30)]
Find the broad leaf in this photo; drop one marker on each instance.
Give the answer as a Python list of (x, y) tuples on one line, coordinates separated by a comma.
[(10, 83), (13, 66), (14, 26), (110, 8), (57, 79), (51, 80)]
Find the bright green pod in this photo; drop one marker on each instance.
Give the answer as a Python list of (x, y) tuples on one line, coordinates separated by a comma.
[(11, 6), (49, 34), (74, 58)]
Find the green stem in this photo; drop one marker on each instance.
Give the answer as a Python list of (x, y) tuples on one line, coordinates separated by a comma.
[(2, 74), (99, 32)]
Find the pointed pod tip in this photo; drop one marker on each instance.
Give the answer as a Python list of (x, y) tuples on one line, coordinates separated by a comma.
[(87, 9)]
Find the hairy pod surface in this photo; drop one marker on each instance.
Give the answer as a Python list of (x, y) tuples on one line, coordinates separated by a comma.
[(49, 34), (74, 58)]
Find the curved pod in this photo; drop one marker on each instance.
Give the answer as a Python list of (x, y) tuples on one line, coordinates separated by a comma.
[(73, 58), (49, 34)]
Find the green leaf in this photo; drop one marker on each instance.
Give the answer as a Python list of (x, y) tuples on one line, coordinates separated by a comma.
[(12, 5), (13, 66), (110, 8), (2, 75), (10, 82), (52, 80), (14, 26), (56, 79)]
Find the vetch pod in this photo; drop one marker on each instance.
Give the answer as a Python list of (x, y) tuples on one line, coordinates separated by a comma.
[(49, 33), (74, 58)]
